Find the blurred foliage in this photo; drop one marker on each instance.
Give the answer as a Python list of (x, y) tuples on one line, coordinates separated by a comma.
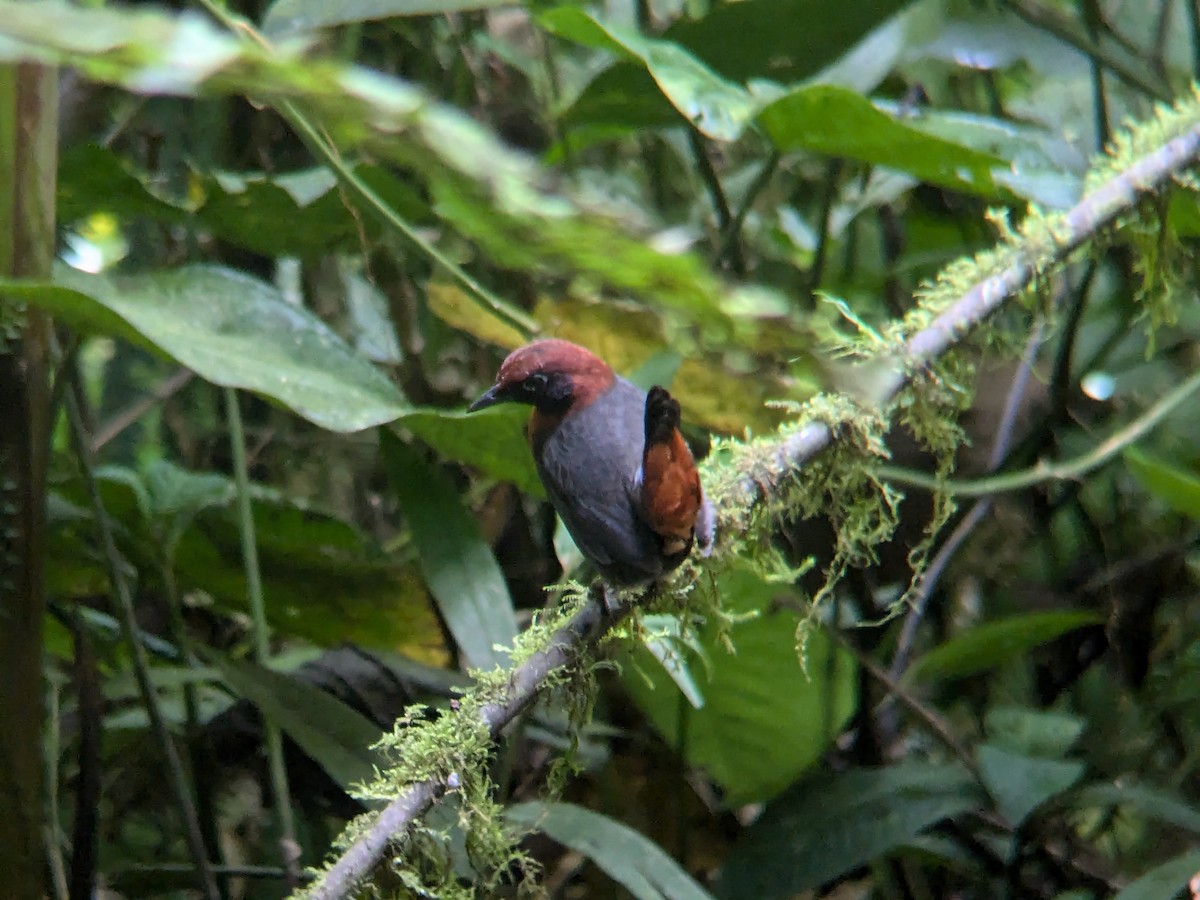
[(351, 211)]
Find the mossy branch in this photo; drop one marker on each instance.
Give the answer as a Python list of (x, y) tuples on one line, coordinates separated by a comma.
[(1154, 155)]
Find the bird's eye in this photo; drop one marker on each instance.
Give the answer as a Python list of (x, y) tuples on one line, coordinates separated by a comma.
[(536, 382)]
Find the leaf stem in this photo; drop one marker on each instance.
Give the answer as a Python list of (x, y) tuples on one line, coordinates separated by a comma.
[(1042, 472), (262, 634)]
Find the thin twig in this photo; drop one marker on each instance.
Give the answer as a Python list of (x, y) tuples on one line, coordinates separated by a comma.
[(833, 170), (141, 666), (1067, 471), (262, 637), (761, 475), (716, 194), (170, 386), (731, 236)]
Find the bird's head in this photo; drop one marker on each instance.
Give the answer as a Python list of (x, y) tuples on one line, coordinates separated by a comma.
[(553, 376)]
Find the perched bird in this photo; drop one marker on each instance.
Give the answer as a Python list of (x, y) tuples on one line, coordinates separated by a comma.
[(612, 459)]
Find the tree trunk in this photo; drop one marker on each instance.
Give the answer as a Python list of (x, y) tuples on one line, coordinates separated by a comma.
[(28, 159)]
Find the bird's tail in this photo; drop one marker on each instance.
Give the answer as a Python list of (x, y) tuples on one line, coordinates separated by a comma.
[(671, 497)]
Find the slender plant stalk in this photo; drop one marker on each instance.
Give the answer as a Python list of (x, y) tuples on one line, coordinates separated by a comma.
[(262, 635), (761, 475), (141, 665), (1043, 472)]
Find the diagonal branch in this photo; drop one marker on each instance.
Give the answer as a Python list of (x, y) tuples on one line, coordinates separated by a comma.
[(764, 476)]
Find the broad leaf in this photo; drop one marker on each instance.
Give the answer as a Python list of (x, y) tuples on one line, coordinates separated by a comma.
[(838, 122), (232, 330), (765, 720), (491, 440), (337, 737), (716, 107), (1175, 487), (1020, 784), (995, 643), (461, 571), (1153, 803), (1164, 882), (836, 823), (630, 859)]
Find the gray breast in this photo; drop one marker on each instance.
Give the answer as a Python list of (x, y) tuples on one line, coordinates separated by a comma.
[(588, 466)]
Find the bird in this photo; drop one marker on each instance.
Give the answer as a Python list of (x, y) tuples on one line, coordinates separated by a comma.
[(612, 459)]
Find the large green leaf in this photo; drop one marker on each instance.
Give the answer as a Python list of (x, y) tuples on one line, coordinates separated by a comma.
[(234, 331), (836, 823), (461, 571), (838, 122), (1020, 784), (492, 440), (1150, 802), (764, 720), (715, 106), (324, 580), (337, 737), (1164, 882), (301, 213), (497, 195), (1175, 487), (994, 643), (783, 40), (632, 860)]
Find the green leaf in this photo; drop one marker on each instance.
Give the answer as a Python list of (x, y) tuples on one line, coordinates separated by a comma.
[(995, 643), (1177, 488), (838, 122), (461, 571), (718, 108), (301, 213), (285, 18), (783, 40), (1164, 882), (231, 329), (1040, 165), (835, 823), (485, 189), (337, 737), (1033, 731), (492, 440), (630, 859), (1020, 784), (1150, 802), (764, 720)]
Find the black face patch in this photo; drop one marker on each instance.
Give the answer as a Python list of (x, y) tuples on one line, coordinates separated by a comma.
[(550, 392)]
